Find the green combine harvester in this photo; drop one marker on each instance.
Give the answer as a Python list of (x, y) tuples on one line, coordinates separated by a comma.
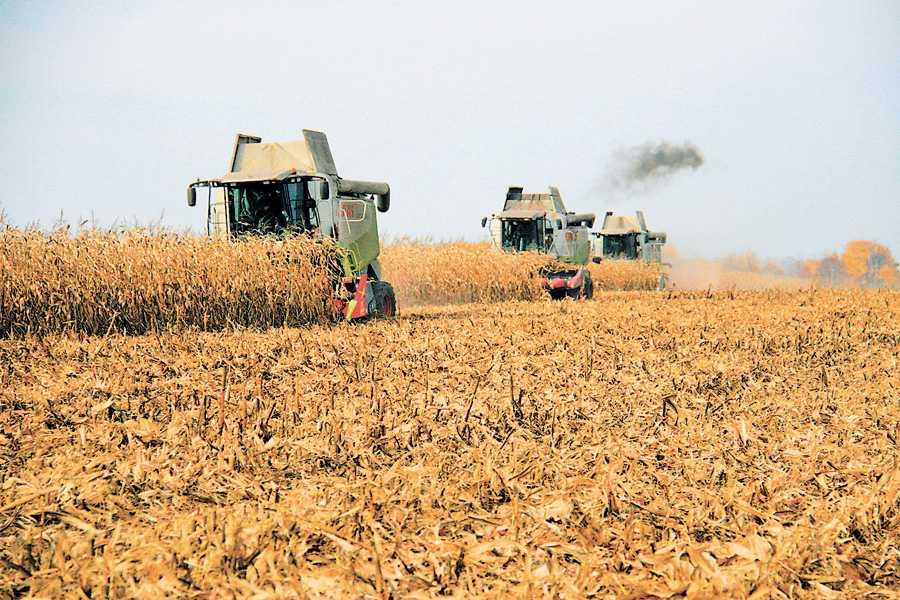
[(541, 223), (285, 188)]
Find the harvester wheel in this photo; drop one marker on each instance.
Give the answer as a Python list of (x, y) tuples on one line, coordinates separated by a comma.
[(558, 293), (588, 289), (384, 305)]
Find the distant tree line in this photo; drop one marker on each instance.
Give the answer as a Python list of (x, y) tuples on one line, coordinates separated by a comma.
[(862, 264)]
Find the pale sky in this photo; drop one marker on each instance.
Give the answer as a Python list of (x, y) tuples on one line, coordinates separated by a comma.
[(110, 109)]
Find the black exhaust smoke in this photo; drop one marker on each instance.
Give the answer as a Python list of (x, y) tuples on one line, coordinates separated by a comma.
[(645, 165)]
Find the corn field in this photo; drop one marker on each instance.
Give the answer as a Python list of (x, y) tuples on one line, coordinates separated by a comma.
[(734, 444), (435, 273), (135, 281), (611, 274), (438, 273)]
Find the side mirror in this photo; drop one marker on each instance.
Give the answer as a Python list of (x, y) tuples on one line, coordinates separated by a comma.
[(192, 196), (483, 221)]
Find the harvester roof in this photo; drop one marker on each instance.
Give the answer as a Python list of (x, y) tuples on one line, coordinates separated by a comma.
[(540, 203), (619, 225), (521, 215), (258, 175)]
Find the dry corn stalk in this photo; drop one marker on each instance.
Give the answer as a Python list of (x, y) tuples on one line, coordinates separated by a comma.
[(615, 274), (434, 273), (430, 273), (135, 281)]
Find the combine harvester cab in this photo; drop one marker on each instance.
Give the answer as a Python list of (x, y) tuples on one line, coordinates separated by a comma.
[(540, 223), (285, 188), (628, 238)]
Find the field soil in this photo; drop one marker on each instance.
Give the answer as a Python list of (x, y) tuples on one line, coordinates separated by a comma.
[(641, 445)]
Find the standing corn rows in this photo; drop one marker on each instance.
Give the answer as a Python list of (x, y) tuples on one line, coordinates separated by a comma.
[(135, 281)]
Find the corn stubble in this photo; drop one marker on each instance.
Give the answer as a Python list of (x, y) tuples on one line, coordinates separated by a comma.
[(724, 444)]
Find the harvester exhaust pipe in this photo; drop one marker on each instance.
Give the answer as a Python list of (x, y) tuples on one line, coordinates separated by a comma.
[(585, 218), (379, 189), (641, 221)]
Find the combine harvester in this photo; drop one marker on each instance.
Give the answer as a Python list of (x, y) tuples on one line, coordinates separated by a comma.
[(540, 223), (628, 238), (284, 188)]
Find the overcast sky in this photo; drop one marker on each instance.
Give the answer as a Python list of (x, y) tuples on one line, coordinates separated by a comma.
[(110, 109)]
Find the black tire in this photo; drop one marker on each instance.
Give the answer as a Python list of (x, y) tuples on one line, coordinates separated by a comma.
[(588, 289), (384, 303), (558, 293)]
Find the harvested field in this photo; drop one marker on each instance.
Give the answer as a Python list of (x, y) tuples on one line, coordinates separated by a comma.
[(725, 444)]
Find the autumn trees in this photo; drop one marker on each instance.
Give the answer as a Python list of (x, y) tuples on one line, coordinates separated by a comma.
[(863, 263)]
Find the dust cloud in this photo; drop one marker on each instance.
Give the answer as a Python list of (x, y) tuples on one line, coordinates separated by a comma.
[(744, 272)]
